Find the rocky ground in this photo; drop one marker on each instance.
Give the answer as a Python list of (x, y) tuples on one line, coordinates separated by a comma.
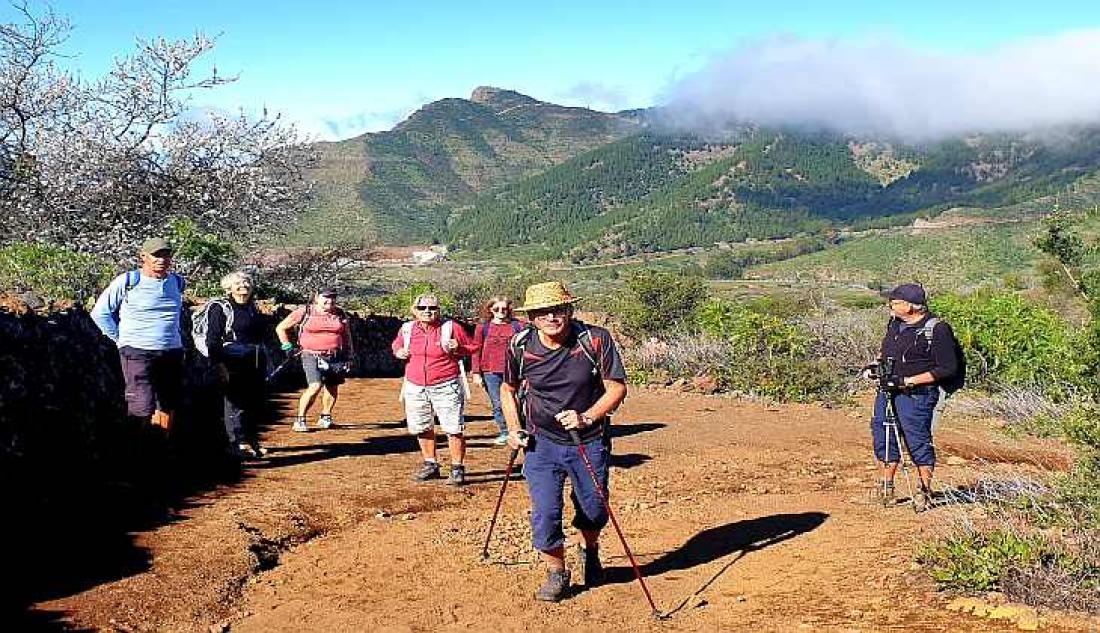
[(741, 515)]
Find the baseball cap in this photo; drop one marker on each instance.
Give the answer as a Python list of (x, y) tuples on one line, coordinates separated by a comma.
[(155, 245), (913, 293)]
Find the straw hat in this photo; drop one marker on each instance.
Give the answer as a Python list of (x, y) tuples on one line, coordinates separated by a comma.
[(548, 294)]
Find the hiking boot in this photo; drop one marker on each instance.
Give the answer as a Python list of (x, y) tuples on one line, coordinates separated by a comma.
[(325, 421), (300, 424), (430, 470), (887, 494), (591, 569), (502, 439), (458, 475), (245, 451), (556, 586), (922, 500)]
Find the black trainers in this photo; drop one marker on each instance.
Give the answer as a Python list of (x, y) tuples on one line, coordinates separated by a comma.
[(591, 569), (556, 586), (458, 475), (922, 500), (430, 470), (888, 494)]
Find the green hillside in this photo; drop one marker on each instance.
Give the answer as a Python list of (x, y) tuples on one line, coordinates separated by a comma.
[(399, 186), (653, 193)]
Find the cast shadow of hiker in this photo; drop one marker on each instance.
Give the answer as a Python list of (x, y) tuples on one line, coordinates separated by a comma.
[(623, 429), (714, 543)]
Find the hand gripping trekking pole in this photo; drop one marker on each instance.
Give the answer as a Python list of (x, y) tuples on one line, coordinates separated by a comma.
[(500, 497), (611, 515)]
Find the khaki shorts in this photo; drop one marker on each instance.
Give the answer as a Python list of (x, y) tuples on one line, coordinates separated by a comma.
[(443, 401)]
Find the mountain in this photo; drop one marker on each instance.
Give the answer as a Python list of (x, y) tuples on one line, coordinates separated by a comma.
[(655, 192), (399, 186)]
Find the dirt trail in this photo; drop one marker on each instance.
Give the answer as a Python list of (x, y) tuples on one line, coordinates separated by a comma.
[(742, 516)]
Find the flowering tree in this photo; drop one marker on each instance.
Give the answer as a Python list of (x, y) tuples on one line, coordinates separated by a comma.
[(98, 166)]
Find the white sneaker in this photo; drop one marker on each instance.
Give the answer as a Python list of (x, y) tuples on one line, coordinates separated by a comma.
[(300, 424), (325, 421)]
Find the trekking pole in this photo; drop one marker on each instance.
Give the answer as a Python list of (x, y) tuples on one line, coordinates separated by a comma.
[(500, 497), (282, 365), (611, 515), (891, 423)]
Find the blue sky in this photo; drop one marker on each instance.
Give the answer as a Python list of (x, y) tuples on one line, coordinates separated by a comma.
[(341, 68)]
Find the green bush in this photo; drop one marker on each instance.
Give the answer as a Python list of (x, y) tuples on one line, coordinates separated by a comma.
[(655, 302), (52, 271), (980, 560), (202, 257), (1010, 340), (399, 303)]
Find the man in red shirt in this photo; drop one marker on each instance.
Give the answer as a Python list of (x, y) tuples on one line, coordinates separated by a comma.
[(433, 348)]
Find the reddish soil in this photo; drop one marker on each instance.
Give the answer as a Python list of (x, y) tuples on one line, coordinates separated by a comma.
[(741, 515)]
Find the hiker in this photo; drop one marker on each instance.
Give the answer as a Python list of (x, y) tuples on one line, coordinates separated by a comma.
[(572, 378), (433, 349), (234, 344), (140, 311), (497, 327), (926, 363), (326, 351)]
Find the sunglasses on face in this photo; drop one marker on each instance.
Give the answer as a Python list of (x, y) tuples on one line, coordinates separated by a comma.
[(546, 314), (427, 308), (499, 308)]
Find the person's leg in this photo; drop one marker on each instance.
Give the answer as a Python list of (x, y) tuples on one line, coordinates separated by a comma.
[(328, 398), (545, 477), (448, 403), (419, 421), (915, 414), (493, 381), (307, 398), (140, 398)]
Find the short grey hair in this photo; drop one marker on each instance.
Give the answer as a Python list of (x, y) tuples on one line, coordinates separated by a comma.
[(235, 278), (424, 297)]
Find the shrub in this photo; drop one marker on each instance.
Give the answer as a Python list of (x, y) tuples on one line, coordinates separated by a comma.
[(655, 302), (398, 303), (1010, 340), (980, 560), (53, 271)]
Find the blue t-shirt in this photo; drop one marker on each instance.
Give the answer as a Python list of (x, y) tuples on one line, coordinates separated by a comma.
[(147, 316)]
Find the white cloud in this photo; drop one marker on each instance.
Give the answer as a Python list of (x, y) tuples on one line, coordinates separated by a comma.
[(596, 95), (877, 86)]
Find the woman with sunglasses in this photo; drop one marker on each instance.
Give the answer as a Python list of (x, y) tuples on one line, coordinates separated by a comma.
[(496, 329), (433, 349)]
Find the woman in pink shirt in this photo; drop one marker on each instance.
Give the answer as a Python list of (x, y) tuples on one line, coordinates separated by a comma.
[(493, 334), (325, 339)]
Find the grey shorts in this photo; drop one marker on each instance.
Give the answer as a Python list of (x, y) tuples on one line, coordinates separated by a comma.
[(443, 401), (314, 374)]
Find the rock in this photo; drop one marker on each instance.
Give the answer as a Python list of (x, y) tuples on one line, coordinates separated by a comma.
[(697, 602), (963, 605), (382, 515), (705, 384), (740, 598), (995, 597), (1004, 612)]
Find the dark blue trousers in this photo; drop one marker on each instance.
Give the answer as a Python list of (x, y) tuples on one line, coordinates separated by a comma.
[(914, 413), (545, 467)]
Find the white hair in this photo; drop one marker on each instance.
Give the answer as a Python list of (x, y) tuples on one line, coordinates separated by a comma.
[(235, 278)]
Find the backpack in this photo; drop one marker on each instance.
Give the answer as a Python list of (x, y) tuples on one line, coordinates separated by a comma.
[(956, 382), (200, 323)]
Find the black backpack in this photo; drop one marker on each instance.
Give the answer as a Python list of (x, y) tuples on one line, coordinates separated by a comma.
[(956, 382)]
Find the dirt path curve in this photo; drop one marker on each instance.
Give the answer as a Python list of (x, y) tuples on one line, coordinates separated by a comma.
[(742, 516)]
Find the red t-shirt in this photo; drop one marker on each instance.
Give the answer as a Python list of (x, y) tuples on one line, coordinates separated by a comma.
[(428, 364), (489, 358), (322, 331)]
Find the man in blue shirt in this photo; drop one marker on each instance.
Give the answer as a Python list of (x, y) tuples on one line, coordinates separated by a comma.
[(140, 311)]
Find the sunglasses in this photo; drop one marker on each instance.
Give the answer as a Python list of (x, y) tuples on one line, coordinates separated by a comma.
[(547, 313), (427, 308), (500, 309)]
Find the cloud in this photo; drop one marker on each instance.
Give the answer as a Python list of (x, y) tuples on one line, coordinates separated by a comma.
[(875, 86), (348, 126), (593, 94)]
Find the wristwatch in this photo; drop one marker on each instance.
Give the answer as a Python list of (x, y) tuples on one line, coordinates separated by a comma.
[(587, 420)]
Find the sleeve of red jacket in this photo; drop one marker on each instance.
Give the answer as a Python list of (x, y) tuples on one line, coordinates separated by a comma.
[(398, 341), (466, 345), (475, 358)]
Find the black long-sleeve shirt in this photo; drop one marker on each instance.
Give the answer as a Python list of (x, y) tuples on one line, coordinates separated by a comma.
[(914, 354), (248, 328)]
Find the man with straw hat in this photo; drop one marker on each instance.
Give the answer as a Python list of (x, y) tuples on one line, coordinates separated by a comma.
[(563, 376)]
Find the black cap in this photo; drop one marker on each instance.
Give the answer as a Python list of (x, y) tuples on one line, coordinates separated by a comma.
[(329, 293), (913, 293)]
